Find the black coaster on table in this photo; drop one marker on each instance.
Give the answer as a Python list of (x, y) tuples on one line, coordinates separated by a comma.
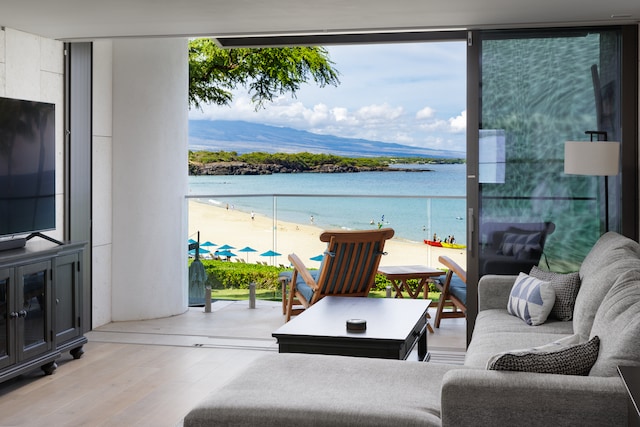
[(356, 325)]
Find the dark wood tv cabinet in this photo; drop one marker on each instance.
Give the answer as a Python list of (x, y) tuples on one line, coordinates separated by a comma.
[(40, 306)]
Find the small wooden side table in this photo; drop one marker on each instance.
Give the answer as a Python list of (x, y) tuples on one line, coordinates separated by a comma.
[(398, 275)]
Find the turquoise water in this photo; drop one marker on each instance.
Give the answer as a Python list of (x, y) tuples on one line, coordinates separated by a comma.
[(409, 201)]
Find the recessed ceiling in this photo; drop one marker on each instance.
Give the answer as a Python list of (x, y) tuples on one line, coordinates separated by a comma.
[(92, 19)]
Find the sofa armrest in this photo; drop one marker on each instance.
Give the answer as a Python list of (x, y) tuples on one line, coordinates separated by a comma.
[(476, 397), (494, 291)]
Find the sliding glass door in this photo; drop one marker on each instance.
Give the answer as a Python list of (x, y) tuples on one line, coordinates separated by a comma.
[(534, 91)]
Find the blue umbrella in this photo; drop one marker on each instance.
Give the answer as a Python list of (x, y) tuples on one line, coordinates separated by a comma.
[(270, 253), (208, 243), (247, 249), (202, 251), (317, 257), (226, 253), (225, 247)]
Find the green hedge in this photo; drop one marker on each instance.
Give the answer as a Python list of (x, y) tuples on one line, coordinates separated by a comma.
[(235, 275)]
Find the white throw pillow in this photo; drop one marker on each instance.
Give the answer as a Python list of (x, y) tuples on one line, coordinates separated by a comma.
[(531, 299)]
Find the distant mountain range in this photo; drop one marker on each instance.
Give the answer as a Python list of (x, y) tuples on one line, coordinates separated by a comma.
[(245, 137)]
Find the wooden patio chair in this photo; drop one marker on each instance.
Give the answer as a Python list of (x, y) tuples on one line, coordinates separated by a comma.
[(454, 291), (348, 269)]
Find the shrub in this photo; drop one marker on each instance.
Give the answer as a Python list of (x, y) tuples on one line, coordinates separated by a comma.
[(235, 275)]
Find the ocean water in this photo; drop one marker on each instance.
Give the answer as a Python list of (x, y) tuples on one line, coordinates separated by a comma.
[(415, 203)]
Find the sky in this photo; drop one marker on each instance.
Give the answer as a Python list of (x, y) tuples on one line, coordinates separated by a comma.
[(411, 93)]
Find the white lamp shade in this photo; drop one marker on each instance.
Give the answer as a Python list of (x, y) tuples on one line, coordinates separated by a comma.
[(591, 158)]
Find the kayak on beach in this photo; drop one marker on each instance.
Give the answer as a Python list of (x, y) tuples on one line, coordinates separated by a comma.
[(444, 244)]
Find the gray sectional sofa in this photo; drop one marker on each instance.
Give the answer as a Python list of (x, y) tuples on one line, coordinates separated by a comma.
[(316, 390)]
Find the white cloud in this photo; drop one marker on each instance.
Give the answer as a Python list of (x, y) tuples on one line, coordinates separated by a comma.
[(459, 123), (378, 112), (425, 113)]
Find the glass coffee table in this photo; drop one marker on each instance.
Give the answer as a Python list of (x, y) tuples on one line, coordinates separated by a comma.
[(393, 328)]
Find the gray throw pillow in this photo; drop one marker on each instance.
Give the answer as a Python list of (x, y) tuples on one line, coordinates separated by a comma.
[(560, 357), (566, 287), (531, 299)]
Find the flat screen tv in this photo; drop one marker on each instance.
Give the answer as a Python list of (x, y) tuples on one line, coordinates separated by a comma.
[(27, 167)]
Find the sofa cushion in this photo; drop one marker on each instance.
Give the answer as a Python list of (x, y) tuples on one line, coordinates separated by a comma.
[(484, 346), (531, 299), (617, 323), (458, 289), (566, 287), (336, 391), (498, 320), (611, 256), (566, 356)]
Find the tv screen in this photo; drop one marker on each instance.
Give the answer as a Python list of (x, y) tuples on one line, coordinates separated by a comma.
[(27, 166)]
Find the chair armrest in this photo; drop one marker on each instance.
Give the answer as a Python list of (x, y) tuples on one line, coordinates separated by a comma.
[(476, 397), (302, 271), (494, 291), (453, 266)]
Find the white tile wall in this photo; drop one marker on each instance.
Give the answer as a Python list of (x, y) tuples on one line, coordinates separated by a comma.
[(22, 58), (2, 38), (103, 88), (102, 190), (101, 281)]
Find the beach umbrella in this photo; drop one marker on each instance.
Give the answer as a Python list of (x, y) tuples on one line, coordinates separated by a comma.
[(208, 243), (247, 249), (317, 257), (226, 253), (225, 247), (197, 275), (192, 252), (270, 254)]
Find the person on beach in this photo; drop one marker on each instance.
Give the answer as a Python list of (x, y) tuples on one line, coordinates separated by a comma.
[(311, 219), (253, 215)]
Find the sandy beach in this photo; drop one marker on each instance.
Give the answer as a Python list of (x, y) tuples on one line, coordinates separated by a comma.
[(236, 228)]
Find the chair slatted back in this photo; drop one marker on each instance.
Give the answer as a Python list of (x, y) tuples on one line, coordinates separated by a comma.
[(350, 262)]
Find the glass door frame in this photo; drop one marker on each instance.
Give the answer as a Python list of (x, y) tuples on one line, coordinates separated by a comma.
[(629, 132)]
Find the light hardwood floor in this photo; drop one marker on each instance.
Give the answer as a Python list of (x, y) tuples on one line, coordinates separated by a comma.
[(151, 373)]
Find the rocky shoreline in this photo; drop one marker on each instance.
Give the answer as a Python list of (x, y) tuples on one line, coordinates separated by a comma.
[(242, 168)]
